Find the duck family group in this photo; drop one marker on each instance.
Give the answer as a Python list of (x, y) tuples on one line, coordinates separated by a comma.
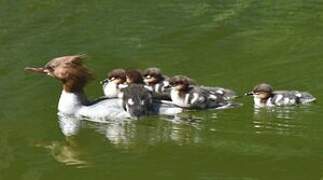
[(132, 93)]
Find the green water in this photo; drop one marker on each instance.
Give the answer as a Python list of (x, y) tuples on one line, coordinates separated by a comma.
[(229, 43)]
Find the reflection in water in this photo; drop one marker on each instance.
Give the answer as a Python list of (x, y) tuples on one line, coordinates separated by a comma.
[(66, 152), (127, 133), (69, 124), (280, 120)]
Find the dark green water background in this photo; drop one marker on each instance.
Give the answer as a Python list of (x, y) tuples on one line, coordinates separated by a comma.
[(229, 43)]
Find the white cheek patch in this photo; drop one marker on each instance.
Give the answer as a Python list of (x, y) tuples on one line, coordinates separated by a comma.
[(112, 79), (131, 102), (256, 96)]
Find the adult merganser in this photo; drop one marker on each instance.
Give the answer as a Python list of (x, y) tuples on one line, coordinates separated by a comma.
[(264, 96), (73, 101), (185, 94), (115, 81)]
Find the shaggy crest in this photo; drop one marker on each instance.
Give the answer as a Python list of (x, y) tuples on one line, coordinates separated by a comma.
[(69, 70)]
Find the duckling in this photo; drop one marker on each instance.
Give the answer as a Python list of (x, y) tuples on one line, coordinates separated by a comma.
[(155, 80), (137, 100), (187, 95), (115, 81), (264, 96)]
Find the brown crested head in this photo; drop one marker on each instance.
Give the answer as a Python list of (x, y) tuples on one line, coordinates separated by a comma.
[(181, 82), (69, 70), (134, 77), (117, 74), (153, 75)]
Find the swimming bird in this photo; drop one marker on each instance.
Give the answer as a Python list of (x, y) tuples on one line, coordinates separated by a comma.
[(187, 95), (115, 81), (264, 96), (156, 81), (71, 72), (137, 100), (159, 85)]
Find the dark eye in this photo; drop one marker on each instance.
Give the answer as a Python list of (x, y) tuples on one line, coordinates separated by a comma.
[(50, 68)]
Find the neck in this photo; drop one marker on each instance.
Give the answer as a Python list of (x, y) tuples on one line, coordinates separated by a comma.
[(73, 85), (71, 99)]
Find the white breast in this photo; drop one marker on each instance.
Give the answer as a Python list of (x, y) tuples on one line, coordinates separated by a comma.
[(70, 103)]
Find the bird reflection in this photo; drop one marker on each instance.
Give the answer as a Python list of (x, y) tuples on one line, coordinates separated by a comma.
[(128, 133), (280, 120), (69, 125), (66, 152)]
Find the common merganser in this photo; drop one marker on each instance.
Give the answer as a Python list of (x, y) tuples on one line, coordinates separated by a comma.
[(156, 81), (185, 94), (159, 85), (137, 100), (264, 96), (115, 81), (73, 101)]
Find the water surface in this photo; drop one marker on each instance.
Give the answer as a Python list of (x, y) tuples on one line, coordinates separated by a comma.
[(233, 43)]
